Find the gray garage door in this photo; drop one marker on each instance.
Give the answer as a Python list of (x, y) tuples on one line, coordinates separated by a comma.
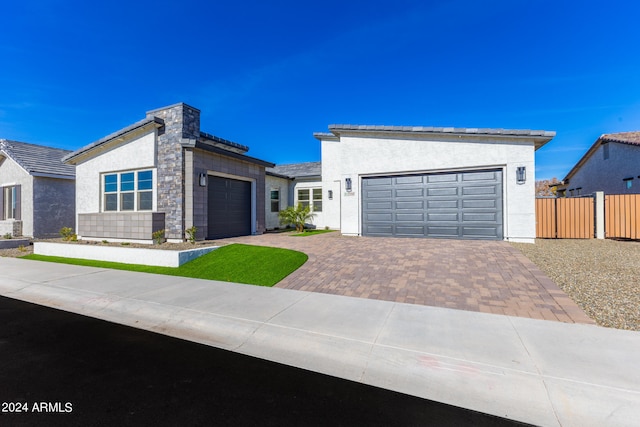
[(229, 208), (460, 205)]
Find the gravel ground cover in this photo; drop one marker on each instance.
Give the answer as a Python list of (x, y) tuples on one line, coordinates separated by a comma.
[(601, 276)]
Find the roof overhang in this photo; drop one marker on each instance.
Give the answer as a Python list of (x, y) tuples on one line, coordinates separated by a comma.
[(114, 140), (213, 149), (537, 137)]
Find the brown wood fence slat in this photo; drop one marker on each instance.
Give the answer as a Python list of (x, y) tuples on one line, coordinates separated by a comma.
[(546, 218), (622, 213), (565, 218)]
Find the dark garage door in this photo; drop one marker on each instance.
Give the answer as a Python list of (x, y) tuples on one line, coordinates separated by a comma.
[(229, 207), (457, 205)]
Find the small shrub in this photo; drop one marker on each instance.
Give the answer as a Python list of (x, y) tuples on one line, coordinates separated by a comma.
[(21, 248), (105, 241), (66, 233), (74, 237), (297, 216), (326, 227), (191, 234), (8, 236), (125, 243), (158, 237)]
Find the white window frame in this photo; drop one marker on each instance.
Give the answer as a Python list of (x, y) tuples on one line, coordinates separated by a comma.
[(119, 192), (10, 203), (311, 200)]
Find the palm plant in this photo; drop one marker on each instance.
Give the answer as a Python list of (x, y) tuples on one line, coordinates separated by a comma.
[(297, 216)]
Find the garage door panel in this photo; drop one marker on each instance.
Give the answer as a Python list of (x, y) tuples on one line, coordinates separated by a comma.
[(410, 217), (480, 232), (448, 205), (376, 182), (442, 191), (418, 204), (439, 217), (477, 216), (418, 192), (411, 179), (479, 190), (435, 231), (442, 204), (410, 231), (379, 205), (441, 177), (479, 204), (479, 176), (380, 216), (379, 194)]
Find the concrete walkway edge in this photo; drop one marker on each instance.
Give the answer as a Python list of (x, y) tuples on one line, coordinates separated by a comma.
[(539, 372)]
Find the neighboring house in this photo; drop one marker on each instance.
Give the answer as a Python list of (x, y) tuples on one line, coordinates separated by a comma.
[(612, 165), (37, 191), (430, 182), (164, 173), (293, 185)]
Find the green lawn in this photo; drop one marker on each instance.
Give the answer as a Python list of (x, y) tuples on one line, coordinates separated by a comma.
[(311, 233), (253, 265)]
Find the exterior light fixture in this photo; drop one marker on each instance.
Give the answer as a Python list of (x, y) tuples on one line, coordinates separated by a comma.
[(203, 179), (521, 175), (330, 194), (347, 184)]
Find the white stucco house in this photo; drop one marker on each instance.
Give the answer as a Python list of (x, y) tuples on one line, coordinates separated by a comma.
[(611, 165), (462, 183), (37, 191), (164, 173)]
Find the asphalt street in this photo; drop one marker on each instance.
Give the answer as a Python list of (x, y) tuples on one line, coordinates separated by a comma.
[(59, 368)]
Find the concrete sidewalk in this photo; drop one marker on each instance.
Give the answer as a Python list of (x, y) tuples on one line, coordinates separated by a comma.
[(539, 372)]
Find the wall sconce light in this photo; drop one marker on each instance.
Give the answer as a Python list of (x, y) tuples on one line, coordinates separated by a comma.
[(521, 175), (347, 184), (202, 178), (330, 194)]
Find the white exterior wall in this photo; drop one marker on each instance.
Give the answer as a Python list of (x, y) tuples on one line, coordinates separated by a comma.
[(139, 153), (12, 174), (357, 156), (272, 220), (319, 218)]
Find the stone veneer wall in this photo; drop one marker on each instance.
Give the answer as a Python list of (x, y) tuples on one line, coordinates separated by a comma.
[(121, 225), (180, 122), (204, 161)]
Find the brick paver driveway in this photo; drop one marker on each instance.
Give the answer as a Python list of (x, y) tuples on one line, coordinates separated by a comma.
[(485, 276)]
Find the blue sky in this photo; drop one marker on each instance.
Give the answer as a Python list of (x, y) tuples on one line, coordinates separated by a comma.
[(269, 74)]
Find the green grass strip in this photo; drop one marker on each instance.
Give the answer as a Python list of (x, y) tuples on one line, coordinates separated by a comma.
[(311, 233), (253, 265)]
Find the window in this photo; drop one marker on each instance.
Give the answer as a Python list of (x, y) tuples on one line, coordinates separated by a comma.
[(128, 191), (628, 183), (275, 200), (605, 151), (311, 197), (10, 202)]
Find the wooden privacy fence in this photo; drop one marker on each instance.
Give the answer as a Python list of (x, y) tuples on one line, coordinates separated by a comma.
[(574, 218), (565, 218), (622, 216)]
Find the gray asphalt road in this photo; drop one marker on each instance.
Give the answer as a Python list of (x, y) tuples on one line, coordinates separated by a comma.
[(58, 368)]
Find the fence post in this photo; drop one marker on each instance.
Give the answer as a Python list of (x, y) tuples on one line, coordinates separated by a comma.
[(599, 202)]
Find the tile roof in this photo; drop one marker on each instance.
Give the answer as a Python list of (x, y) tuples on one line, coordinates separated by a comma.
[(38, 159), (631, 138), (297, 170)]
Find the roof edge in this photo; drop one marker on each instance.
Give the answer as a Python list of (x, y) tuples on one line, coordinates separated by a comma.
[(154, 121)]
